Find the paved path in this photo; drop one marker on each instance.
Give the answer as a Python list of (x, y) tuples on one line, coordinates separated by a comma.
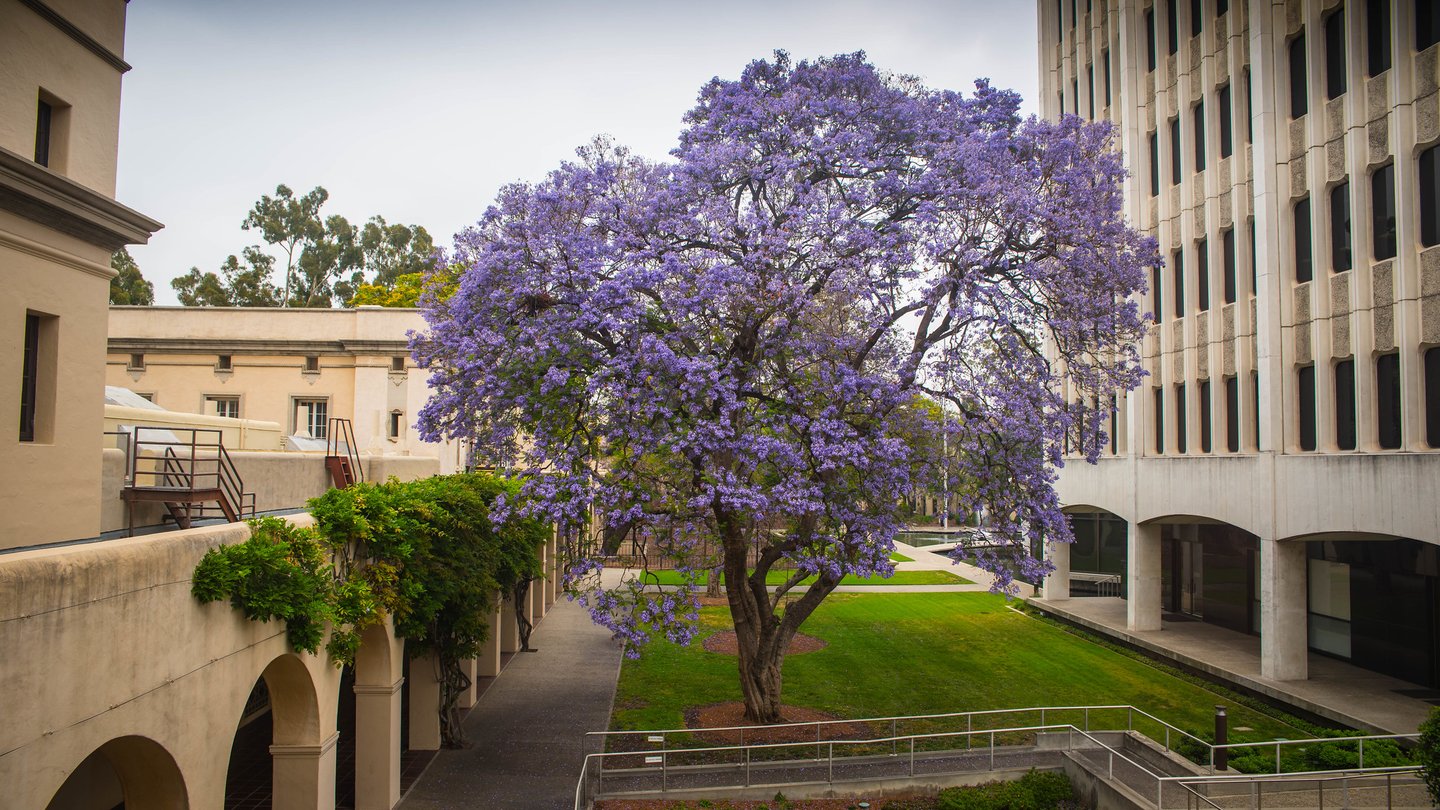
[(527, 732)]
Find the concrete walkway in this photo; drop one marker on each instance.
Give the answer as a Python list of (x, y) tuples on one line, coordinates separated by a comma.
[(527, 732)]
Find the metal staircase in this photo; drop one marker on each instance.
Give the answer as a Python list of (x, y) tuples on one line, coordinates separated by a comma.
[(189, 472), (341, 459)]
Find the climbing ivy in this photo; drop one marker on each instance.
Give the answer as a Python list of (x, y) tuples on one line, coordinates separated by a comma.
[(430, 553)]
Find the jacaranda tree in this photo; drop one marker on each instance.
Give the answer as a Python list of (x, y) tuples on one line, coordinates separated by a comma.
[(722, 351)]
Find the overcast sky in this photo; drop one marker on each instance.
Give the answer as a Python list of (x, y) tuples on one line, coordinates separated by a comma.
[(421, 111)]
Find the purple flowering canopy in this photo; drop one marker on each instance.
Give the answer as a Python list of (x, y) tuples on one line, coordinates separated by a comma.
[(723, 354)]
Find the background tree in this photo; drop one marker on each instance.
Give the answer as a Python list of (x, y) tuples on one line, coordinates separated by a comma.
[(237, 284), (738, 334), (291, 223), (129, 287), (327, 256), (389, 252)]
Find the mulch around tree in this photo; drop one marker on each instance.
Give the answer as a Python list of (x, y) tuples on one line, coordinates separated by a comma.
[(725, 643), (733, 714)]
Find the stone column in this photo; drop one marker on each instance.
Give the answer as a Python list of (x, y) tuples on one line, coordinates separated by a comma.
[(377, 746), (509, 627), (424, 704), (1057, 584), (1284, 628), (537, 591), (488, 664), (1142, 568), (470, 667), (304, 776)]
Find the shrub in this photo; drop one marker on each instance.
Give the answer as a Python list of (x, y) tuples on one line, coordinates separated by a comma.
[(1036, 790), (1427, 752)]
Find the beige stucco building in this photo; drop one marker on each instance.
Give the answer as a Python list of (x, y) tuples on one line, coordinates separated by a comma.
[(62, 64), (1278, 473), (295, 367)]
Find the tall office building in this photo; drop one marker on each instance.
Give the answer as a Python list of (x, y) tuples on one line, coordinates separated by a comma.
[(1277, 473)]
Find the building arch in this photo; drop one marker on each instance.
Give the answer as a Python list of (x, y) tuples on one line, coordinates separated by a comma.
[(135, 771), (294, 702)]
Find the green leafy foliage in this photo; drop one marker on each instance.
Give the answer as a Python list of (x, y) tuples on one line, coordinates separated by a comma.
[(129, 286), (279, 573), (1427, 752), (1036, 790)]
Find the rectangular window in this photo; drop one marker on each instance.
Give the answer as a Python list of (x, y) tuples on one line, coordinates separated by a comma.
[(1175, 168), (396, 424), (1221, 6), (1178, 295), (312, 363), (1205, 438), (1156, 299), (228, 407), (312, 418), (1387, 399), (29, 377), (1377, 36), (1199, 123), (1430, 196), (1115, 423), (1382, 203), (1227, 249), (1340, 228), (1232, 414), (1105, 60), (1306, 400), (1254, 268), (1427, 24), (1159, 394), (1227, 129), (1150, 37), (1090, 72), (1182, 444), (1255, 404), (1299, 101), (397, 364), (1202, 274), (223, 363), (1432, 397), (137, 362), (1249, 109), (1154, 163), (1075, 94), (1303, 264), (1195, 18), (1172, 30), (44, 118), (1345, 404), (1335, 54), (1059, 20)]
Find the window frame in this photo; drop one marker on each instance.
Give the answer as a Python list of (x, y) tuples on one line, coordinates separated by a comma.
[(212, 402), (310, 403)]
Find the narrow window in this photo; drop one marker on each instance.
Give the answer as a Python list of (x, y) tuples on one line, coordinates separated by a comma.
[(1175, 169), (1105, 60), (1172, 30), (1345, 404), (1227, 249), (1254, 270), (1227, 128), (1178, 262), (1382, 204), (1156, 299), (137, 362), (1154, 163), (1387, 399), (1205, 438), (1075, 94), (1232, 414), (29, 377), (1199, 122), (1249, 109), (1306, 399), (1255, 404), (44, 117), (1340, 228), (1303, 269), (1427, 24), (1115, 424), (312, 363), (1335, 54), (1299, 102), (1429, 196), (1150, 37), (1432, 397), (1181, 443), (1195, 18), (223, 363), (1377, 30), (1059, 20), (396, 424), (397, 363), (1159, 420), (1202, 274), (1062, 104), (1090, 72), (1221, 6)]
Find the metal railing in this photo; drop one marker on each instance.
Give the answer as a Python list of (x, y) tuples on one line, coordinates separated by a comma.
[(189, 463), (340, 443), (660, 751)]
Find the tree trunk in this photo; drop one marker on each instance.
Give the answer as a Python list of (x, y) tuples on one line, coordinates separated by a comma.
[(712, 583)]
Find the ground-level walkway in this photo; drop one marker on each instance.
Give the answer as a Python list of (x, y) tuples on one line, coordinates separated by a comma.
[(527, 731), (1335, 690)]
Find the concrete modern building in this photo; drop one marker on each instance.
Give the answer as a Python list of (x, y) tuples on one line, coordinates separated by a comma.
[(61, 64), (296, 367), (1278, 473)]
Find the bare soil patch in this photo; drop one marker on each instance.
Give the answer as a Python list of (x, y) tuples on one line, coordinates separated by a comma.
[(733, 714), (725, 643)]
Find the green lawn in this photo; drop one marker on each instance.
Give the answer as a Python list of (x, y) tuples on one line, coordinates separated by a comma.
[(907, 654), (896, 556), (779, 577)]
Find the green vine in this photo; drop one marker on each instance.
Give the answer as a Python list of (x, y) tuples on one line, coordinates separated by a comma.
[(430, 553)]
